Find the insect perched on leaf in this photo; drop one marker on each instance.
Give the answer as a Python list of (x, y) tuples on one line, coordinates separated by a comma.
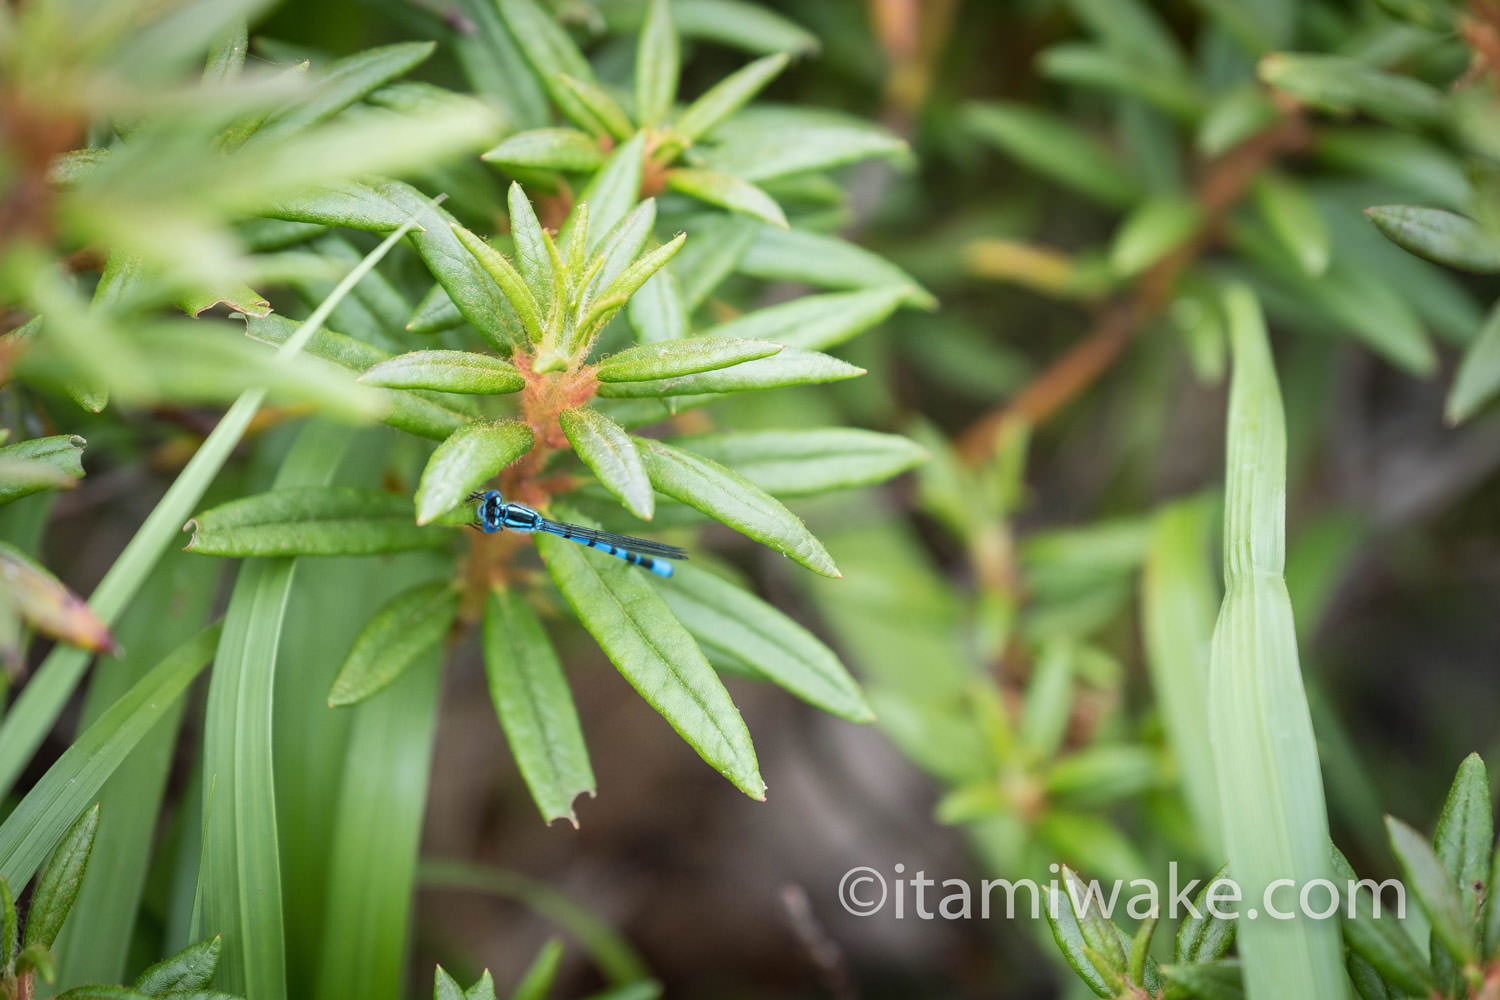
[(494, 514)]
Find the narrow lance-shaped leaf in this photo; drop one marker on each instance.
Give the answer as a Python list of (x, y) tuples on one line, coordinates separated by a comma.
[(507, 277), (29, 467), (1105, 979), (1154, 229), (345, 82), (621, 246), (607, 450), (681, 357), (533, 258), (396, 636), (727, 191), (1466, 830), (651, 649), (447, 371), (322, 521), (614, 190), (1381, 940), (728, 96), (602, 113), (60, 881), (535, 707), (1272, 805), (565, 149), (1293, 216), (815, 322), (1441, 236), (471, 456), (622, 288), (728, 497), (827, 262), (733, 624), (658, 59), (549, 50), (1342, 84), (1434, 889), (789, 367), (537, 981), (806, 462)]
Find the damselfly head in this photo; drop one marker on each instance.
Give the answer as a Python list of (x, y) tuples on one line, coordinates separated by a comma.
[(487, 516)]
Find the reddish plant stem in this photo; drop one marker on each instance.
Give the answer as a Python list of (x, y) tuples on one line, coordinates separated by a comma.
[(1224, 182)]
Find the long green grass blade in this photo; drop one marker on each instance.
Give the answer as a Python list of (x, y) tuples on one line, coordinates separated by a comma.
[(240, 882), (1272, 809), (96, 939), (375, 838), (72, 783)]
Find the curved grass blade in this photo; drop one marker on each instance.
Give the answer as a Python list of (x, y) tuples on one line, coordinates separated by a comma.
[(70, 784)]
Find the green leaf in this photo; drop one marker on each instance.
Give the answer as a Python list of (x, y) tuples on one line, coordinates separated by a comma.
[(1293, 217), (727, 496), (651, 649), (1466, 831), (465, 461), (59, 882), (10, 934), (537, 982), (727, 96), (734, 625), (1234, 117), (508, 278), (1439, 236), (619, 291), (806, 462), (534, 706), (1219, 980), (56, 801), (1077, 940), (350, 204), (1102, 773), (1343, 85), (548, 49), (190, 969), (445, 987), (815, 322), (590, 105), (764, 142), (620, 247), (413, 622), (1478, 376), (533, 257), (675, 358), (728, 192), (658, 61), (1434, 888), (565, 149), (343, 83), (790, 367), (321, 521), (827, 262), (1151, 231), (612, 192), (447, 371), (1055, 148), (42, 463), (715, 250), (608, 452), (47, 605), (1382, 941), (1207, 936)]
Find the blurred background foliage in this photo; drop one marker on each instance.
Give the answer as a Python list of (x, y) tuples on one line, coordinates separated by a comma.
[(1075, 182)]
